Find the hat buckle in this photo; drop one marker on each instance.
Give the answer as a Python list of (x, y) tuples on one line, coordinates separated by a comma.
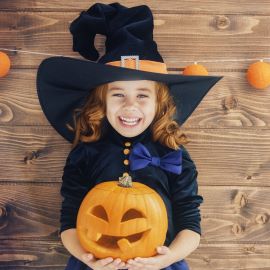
[(135, 57)]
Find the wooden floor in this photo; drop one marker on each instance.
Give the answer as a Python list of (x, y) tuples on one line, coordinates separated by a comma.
[(229, 130)]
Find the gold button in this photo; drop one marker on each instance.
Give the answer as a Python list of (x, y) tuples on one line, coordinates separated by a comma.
[(127, 144), (125, 174), (126, 151), (126, 162)]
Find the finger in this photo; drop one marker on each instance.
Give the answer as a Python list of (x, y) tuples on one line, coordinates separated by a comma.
[(103, 262), (132, 267), (115, 264), (144, 267), (163, 250), (122, 265), (151, 267), (145, 260), (116, 261), (87, 257), (133, 263)]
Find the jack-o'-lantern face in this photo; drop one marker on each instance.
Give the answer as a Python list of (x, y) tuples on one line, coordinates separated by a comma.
[(122, 222), (117, 238)]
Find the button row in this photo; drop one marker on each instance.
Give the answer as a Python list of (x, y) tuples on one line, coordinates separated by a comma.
[(126, 151)]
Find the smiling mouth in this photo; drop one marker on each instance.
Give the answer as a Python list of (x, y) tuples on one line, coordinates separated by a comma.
[(124, 243), (129, 121)]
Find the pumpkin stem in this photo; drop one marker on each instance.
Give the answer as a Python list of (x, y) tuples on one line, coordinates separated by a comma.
[(125, 181)]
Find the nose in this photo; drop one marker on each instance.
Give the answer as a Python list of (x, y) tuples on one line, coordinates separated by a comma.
[(130, 101), (130, 104)]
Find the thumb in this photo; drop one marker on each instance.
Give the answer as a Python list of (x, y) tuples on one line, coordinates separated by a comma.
[(162, 250), (87, 257)]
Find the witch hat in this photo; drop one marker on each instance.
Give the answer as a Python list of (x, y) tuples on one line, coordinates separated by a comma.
[(64, 83)]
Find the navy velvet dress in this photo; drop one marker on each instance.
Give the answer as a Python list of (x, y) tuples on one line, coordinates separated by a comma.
[(89, 164)]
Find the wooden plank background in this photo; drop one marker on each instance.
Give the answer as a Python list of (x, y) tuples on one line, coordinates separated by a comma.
[(229, 131)]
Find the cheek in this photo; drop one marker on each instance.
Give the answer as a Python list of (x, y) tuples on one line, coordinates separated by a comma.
[(112, 103), (111, 108), (149, 107)]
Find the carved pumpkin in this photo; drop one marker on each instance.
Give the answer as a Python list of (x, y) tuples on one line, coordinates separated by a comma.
[(122, 220)]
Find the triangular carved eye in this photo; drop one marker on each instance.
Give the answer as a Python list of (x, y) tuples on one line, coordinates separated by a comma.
[(132, 214), (100, 212)]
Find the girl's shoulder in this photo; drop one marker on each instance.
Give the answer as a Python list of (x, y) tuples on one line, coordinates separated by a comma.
[(83, 151), (91, 150), (186, 155), (86, 148)]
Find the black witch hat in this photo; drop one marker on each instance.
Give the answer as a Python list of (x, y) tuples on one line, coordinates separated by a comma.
[(64, 83)]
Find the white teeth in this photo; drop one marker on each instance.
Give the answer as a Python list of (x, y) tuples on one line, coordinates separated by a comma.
[(129, 121), (130, 124)]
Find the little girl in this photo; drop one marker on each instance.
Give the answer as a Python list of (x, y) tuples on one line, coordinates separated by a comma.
[(126, 103), (120, 115)]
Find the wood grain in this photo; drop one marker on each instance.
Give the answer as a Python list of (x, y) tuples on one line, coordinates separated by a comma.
[(229, 130), (31, 254), (180, 37), (222, 156), (230, 214), (232, 103), (50, 255), (158, 6)]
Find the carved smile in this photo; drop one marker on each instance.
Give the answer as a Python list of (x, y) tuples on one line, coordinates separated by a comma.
[(118, 242)]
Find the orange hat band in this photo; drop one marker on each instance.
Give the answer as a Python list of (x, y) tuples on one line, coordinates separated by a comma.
[(144, 65)]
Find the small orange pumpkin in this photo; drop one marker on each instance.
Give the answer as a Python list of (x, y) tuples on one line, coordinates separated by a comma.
[(195, 69), (258, 75), (4, 64), (122, 219)]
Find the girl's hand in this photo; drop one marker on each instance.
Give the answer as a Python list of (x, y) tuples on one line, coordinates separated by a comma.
[(156, 262), (102, 264)]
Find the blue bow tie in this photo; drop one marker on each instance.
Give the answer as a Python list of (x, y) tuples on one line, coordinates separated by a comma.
[(140, 158)]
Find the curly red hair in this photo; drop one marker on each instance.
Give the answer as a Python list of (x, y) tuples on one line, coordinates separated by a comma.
[(164, 129)]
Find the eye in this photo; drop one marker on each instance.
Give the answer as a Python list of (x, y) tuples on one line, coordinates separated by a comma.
[(132, 214), (118, 95), (142, 96), (100, 212)]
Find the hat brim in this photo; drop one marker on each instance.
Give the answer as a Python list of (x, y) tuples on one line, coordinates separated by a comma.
[(63, 83)]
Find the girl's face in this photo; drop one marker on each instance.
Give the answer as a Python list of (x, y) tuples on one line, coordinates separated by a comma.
[(131, 106)]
